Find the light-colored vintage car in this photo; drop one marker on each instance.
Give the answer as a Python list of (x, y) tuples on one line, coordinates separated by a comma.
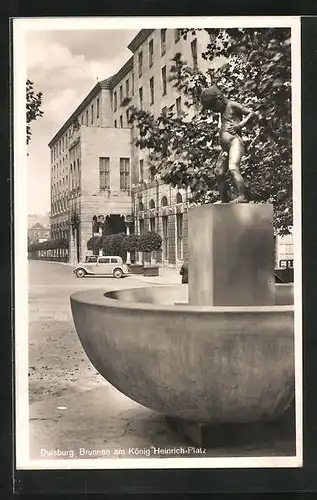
[(102, 266)]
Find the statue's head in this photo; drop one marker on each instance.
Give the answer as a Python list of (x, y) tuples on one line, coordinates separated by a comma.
[(212, 98)]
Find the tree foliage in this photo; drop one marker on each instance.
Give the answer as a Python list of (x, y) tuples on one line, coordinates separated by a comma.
[(94, 243), (131, 243), (33, 107), (256, 72), (58, 244), (113, 245), (150, 242)]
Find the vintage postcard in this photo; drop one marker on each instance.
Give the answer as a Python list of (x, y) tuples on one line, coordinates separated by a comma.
[(158, 310)]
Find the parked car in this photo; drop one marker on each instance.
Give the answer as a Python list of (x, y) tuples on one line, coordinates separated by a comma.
[(284, 273), (102, 266)]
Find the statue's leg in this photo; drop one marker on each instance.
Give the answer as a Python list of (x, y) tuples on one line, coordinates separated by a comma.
[(221, 168), (235, 154)]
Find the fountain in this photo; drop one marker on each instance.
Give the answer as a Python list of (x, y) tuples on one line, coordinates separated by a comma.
[(218, 353)]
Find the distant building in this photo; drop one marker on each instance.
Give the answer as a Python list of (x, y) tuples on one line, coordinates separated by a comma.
[(38, 233), (33, 219)]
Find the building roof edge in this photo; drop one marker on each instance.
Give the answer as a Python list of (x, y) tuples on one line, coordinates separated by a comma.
[(103, 84), (139, 39)]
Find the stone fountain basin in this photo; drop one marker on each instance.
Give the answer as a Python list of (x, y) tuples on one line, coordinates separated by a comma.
[(212, 365)]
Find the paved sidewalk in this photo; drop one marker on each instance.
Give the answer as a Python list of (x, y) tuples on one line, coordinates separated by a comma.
[(167, 276)]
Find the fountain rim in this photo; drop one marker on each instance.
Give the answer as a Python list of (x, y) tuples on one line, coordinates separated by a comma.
[(99, 298)]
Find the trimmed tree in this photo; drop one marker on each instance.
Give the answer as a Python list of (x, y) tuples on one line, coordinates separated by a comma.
[(256, 71), (131, 243), (94, 244), (150, 242), (113, 245)]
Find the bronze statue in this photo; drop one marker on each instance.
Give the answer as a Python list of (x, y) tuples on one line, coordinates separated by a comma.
[(231, 141)]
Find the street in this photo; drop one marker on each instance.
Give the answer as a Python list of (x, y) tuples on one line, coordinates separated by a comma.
[(72, 408), (57, 362)]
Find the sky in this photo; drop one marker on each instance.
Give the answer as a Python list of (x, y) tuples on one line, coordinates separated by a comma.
[(65, 66)]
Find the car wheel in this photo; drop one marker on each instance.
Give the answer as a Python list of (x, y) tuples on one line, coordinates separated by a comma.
[(117, 273), (80, 273)]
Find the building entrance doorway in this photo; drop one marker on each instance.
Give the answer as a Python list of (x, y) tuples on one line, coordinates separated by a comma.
[(114, 224)]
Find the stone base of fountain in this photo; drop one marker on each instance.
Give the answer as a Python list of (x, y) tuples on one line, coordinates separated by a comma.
[(255, 434)]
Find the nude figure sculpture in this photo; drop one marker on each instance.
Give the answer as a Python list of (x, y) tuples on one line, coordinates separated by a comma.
[(234, 117)]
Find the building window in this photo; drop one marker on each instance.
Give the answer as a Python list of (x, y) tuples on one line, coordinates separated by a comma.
[(141, 226), (121, 121), (124, 174), (152, 224), (87, 117), (127, 88), (164, 202), (178, 107), (140, 63), (179, 235), (115, 102), (127, 113), (152, 90), (163, 41), (121, 94), (82, 119), (78, 172), (194, 53), (164, 84), (179, 198), (104, 173), (165, 236), (92, 113), (150, 53), (98, 107), (141, 98), (177, 35), (132, 77), (115, 124), (141, 172)]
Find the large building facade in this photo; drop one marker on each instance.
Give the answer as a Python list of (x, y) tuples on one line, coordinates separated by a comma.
[(97, 172)]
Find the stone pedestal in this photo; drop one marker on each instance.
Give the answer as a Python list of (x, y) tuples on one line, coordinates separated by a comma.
[(231, 255)]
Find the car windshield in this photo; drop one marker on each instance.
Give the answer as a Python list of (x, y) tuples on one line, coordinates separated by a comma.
[(91, 259)]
